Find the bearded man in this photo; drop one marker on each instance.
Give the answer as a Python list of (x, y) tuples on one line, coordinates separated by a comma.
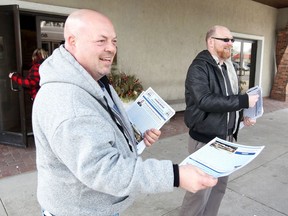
[(213, 108)]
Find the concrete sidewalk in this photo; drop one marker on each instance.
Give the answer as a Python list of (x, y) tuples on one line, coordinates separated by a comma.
[(259, 189)]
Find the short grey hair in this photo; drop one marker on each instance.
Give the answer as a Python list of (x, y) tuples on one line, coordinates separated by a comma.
[(210, 32)]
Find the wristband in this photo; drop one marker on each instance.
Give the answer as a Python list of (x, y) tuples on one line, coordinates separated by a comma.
[(176, 175)]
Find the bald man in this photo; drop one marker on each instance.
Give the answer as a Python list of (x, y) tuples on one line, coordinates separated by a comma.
[(86, 155), (213, 105)]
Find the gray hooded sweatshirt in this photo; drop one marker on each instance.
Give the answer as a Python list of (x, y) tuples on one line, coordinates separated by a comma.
[(85, 166)]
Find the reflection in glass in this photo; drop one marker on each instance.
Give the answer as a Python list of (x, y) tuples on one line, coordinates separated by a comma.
[(52, 34), (241, 57)]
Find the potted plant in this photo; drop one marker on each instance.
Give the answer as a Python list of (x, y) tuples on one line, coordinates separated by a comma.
[(128, 87)]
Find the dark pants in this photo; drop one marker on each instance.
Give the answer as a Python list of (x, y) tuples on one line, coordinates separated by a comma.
[(205, 202)]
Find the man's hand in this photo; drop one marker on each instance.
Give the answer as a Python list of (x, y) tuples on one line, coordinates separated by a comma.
[(249, 121), (193, 179), (151, 136), (253, 99)]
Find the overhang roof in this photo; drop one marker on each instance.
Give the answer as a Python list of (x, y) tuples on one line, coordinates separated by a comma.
[(274, 3)]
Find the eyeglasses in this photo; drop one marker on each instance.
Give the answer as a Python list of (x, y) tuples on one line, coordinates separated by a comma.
[(226, 40)]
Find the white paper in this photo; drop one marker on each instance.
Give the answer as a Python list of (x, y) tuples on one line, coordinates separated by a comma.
[(221, 158), (148, 111), (256, 111)]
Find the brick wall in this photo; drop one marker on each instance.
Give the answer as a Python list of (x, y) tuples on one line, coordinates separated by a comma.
[(278, 91)]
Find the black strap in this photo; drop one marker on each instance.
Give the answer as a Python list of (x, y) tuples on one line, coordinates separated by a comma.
[(105, 82)]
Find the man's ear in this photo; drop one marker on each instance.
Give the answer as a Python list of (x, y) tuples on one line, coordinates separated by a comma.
[(210, 42), (71, 41)]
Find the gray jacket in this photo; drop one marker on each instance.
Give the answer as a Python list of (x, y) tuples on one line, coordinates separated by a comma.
[(85, 166)]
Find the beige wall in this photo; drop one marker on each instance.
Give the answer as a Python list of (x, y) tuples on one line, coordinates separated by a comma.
[(158, 39)]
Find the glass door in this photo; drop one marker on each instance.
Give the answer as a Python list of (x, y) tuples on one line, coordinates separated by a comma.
[(244, 59), (51, 30), (12, 107)]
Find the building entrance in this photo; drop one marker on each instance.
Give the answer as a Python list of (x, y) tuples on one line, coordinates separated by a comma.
[(20, 34), (244, 58)]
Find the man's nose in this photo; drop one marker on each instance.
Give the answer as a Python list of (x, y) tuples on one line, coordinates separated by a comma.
[(110, 47)]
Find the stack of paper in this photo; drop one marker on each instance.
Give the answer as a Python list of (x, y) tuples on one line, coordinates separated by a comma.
[(221, 158), (257, 110), (147, 112)]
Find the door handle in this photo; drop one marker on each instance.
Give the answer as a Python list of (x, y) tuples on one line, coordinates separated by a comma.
[(12, 87)]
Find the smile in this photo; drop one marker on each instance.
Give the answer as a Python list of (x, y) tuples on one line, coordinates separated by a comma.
[(106, 59)]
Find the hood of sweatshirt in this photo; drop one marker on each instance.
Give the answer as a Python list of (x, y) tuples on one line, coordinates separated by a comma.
[(62, 67)]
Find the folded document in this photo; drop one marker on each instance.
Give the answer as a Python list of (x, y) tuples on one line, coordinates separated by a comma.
[(148, 111), (221, 158), (257, 110)]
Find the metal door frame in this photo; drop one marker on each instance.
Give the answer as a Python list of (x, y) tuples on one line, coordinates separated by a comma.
[(8, 137)]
